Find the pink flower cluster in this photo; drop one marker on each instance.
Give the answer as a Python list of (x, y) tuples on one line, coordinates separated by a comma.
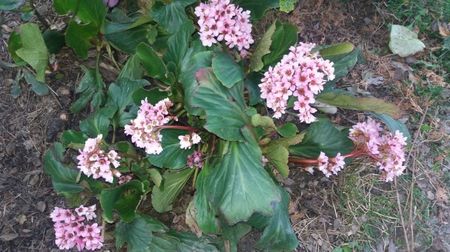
[(144, 130), (330, 166), (186, 141), (71, 229), (220, 20), (195, 160), (93, 161), (125, 179), (386, 148), (301, 73)]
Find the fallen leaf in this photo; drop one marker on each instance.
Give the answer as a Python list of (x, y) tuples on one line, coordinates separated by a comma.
[(8, 237), (404, 42)]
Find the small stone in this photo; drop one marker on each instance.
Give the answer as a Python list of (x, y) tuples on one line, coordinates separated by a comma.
[(430, 195), (21, 219), (34, 179), (41, 206)]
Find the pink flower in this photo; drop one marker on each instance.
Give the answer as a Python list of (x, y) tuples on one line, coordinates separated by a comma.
[(144, 129), (385, 148), (221, 20), (93, 161), (75, 232), (125, 179), (195, 160), (186, 141), (330, 166), (301, 73)]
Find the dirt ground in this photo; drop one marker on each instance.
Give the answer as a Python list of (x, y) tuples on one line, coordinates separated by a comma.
[(352, 211)]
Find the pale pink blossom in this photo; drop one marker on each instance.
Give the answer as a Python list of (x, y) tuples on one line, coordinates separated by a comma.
[(386, 149), (301, 73), (224, 21), (144, 129), (186, 141), (330, 166), (125, 179), (93, 161), (75, 232)]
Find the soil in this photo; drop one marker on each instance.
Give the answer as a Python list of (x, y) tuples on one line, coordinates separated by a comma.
[(325, 213)]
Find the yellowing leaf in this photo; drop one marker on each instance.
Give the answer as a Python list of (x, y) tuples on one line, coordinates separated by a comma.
[(262, 49)]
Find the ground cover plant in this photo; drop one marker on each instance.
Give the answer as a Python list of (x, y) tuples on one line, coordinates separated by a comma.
[(195, 103)]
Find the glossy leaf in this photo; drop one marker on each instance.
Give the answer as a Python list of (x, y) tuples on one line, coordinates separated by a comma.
[(226, 69), (64, 6), (171, 16), (173, 183), (99, 122), (285, 36), (278, 156), (192, 63), (38, 87), (394, 125), (238, 186), (73, 139), (224, 107), (278, 234), (348, 101), (92, 11), (64, 179), (78, 37), (152, 63), (322, 136), (257, 7), (337, 49), (137, 235), (262, 49), (178, 44), (287, 130), (33, 50), (172, 156), (54, 40), (14, 44), (90, 84), (205, 215), (153, 95), (126, 36), (132, 69), (124, 199), (344, 62)]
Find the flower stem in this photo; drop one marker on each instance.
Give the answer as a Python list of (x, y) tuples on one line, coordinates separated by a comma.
[(188, 128)]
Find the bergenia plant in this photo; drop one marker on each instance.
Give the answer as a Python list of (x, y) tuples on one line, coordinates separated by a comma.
[(207, 106)]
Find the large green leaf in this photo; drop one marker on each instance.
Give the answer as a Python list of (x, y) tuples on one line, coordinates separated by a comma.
[(126, 36), (152, 63), (124, 199), (336, 49), (404, 42), (226, 69), (348, 101), (73, 139), (178, 44), (54, 40), (15, 43), (205, 212), (121, 92), (238, 186), (323, 136), (136, 234), (234, 233), (278, 234), (90, 84), (171, 16), (78, 37), (7, 5), (64, 179), (343, 63), (181, 242), (285, 36), (173, 183), (92, 11), (172, 156), (64, 6), (224, 107), (99, 122), (33, 50), (191, 64), (257, 7), (262, 49), (133, 69)]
